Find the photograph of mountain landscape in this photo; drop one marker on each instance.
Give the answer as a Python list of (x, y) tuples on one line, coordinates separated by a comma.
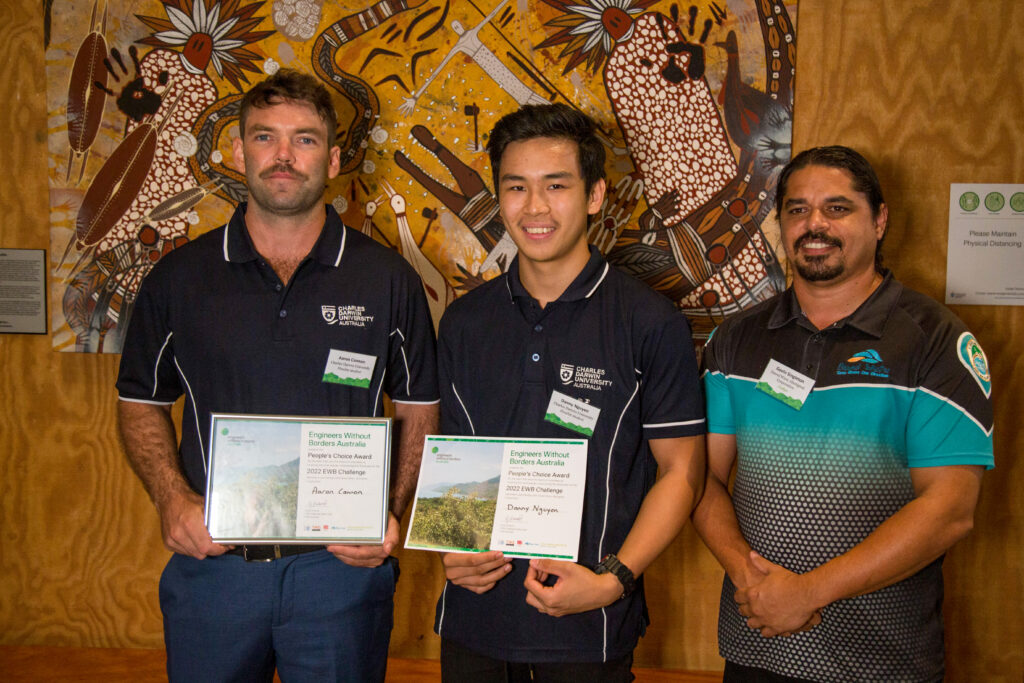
[(253, 482), (456, 497)]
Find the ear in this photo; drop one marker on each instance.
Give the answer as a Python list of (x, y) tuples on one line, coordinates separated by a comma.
[(596, 197), (334, 162), (238, 154), (881, 221)]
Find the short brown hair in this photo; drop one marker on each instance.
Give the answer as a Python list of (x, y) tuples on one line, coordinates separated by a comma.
[(291, 86)]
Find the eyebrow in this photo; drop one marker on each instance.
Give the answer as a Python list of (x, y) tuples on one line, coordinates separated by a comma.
[(838, 199), (300, 131), (548, 176)]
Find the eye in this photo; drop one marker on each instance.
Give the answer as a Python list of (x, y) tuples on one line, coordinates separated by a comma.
[(306, 140), (838, 210)]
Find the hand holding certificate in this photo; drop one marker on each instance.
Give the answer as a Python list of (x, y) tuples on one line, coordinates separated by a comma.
[(521, 496), (298, 480)]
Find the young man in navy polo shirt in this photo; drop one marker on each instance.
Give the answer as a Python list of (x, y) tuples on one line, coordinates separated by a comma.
[(857, 415), (244, 319), (561, 320)]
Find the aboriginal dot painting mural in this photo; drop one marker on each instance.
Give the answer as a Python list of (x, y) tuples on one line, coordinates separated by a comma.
[(694, 102)]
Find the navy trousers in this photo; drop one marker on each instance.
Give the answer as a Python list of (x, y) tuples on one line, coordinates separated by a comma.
[(310, 616)]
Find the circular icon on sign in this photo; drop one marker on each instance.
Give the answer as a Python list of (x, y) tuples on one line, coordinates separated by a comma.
[(1017, 201), (969, 201), (994, 201)]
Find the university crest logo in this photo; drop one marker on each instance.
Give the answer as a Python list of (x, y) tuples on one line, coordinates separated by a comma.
[(973, 358), (330, 314), (565, 373)]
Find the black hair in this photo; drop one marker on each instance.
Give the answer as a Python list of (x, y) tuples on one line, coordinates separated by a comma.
[(549, 121), (864, 178)]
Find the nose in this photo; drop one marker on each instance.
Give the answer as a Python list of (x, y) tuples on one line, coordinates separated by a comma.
[(536, 203), (818, 219), (283, 154)]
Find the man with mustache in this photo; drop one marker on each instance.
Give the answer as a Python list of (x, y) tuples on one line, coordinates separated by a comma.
[(856, 415), (252, 318)]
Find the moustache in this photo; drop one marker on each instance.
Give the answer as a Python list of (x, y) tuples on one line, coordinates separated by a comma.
[(817, 237), (282, 168)]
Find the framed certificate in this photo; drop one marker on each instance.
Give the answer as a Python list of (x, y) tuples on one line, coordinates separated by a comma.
[(306, 480), (521, 496)]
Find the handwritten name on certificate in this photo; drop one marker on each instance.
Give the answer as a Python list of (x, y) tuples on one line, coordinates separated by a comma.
[(521, 496)]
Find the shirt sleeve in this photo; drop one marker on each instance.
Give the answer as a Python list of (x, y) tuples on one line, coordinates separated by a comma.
[(950, 420), (672, 403), (148, 373), (412, 361), (716, 391)]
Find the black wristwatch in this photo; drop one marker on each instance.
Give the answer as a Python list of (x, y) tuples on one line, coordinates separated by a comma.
[(611, 565)]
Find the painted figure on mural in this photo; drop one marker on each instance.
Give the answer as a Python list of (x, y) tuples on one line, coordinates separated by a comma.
[(693, 102)]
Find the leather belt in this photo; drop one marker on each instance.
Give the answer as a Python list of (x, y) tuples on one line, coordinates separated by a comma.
[(267, 553)]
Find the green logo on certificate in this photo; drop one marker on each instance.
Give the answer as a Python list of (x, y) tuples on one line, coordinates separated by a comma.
[(969, 201)]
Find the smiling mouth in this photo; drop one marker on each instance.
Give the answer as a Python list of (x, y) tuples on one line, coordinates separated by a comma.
[(538, 230), (817, 242)]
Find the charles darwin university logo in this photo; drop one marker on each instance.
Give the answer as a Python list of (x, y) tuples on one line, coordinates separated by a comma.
[(865, 363), (346, 316), (565, 373)]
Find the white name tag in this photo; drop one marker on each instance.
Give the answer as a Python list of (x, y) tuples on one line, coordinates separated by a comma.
[(348, 367), (785, 384), (572, 413)]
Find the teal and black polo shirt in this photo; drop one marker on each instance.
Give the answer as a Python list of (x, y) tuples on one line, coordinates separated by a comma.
[(609, 341), (899, 384), (215, 323)]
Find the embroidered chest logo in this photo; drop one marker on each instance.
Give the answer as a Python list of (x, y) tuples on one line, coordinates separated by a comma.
[(973, 358), (865, 363), (583, 377), (351, 315)]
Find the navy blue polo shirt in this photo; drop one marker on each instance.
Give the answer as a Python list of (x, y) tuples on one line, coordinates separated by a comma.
[(899, 384), (215, 323), (612, 342)]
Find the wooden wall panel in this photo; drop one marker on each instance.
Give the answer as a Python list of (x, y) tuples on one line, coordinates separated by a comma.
[(930, 91)]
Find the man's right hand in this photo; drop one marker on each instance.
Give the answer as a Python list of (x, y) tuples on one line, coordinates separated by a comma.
[(184, 529), (477, 572)]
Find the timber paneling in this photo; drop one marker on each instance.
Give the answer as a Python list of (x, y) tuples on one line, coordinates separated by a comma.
[(931, 92)]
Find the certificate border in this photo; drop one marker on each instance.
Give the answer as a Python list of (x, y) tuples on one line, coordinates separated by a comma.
[(303, 419), (491, 439)]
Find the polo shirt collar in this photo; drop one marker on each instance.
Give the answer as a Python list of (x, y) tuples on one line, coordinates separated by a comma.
[(583, 287), (869, 317), (329, 247)]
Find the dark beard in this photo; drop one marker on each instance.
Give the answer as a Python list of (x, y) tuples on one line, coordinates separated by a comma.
[(817, 270)]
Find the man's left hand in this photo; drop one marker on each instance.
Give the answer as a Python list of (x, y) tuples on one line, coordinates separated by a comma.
[(576, 589), (368, 555), (777, 605)]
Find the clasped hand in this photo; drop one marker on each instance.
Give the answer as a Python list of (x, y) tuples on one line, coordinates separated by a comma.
[(775, 601)]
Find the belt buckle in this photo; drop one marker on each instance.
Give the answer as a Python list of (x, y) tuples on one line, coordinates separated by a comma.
[(245, 554)]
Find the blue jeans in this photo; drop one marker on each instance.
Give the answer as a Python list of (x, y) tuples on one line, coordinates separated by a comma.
[(311, 616)]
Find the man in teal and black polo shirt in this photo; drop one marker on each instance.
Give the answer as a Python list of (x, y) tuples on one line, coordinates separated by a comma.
[(856, 414), (248, 318), (561, 322)]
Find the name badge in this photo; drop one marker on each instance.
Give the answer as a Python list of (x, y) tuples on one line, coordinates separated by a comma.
[(350, 368), (785, 384), (572, 413)]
